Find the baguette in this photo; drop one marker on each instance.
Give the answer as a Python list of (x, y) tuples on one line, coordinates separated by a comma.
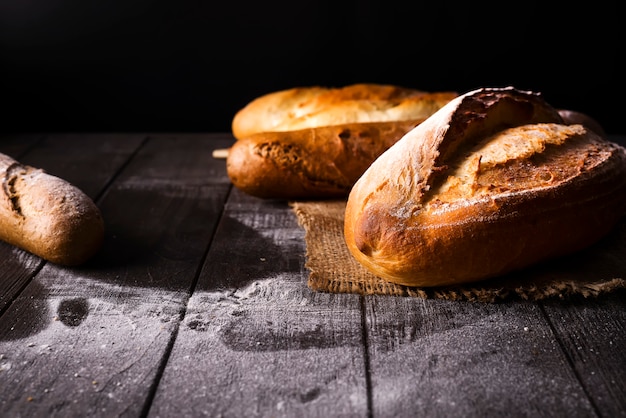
[(493, 182), (312, 107), (315, 142), (310, 163), (47, 216)]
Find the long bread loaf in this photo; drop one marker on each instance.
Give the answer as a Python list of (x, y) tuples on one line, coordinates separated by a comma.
[(315, 106), (314, 142), (46, 215), (311, 163)]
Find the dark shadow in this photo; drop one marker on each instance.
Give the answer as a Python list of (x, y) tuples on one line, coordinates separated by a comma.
[(242, 254)]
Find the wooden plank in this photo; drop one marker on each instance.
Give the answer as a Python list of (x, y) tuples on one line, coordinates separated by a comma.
[(89, 161), (91, 341), (445, 358), (15, 145), (255, 340), (17, 268), (593, 334)]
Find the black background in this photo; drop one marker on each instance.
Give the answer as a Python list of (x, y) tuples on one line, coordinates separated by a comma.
[(190, 65)]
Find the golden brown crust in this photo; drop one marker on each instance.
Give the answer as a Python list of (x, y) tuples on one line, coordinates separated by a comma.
[(311, 107), (310, 163), (46, 215), (493, 182), (314, 142)]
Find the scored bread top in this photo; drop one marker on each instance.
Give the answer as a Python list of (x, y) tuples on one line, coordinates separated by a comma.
[(420, 161), (315, 106), (521, 159)]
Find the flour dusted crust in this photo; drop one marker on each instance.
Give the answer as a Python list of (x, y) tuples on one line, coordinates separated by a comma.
[(46, 215), (315, 106), (314, 142), (493, 182)]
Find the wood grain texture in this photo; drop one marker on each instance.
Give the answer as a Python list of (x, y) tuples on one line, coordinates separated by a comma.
[(17, 267), (592, 334), (468, 359), (255, 340)]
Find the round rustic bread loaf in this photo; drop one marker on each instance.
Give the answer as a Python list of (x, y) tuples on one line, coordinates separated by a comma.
[(493, 182)]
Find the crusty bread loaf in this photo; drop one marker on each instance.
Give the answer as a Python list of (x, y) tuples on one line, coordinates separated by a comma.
[(493, 182), (310, 163), (315, 142), (46, 215), (311, 107)]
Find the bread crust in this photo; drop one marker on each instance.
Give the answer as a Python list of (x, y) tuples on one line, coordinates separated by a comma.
[(310, 163), (493, 182), (46, 215), (315, 106), (314, 142)]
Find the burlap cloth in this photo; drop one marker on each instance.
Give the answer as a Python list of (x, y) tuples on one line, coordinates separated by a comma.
[(590, 273)]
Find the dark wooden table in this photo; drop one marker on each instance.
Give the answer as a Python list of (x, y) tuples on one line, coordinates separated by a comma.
[(197, 305)]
